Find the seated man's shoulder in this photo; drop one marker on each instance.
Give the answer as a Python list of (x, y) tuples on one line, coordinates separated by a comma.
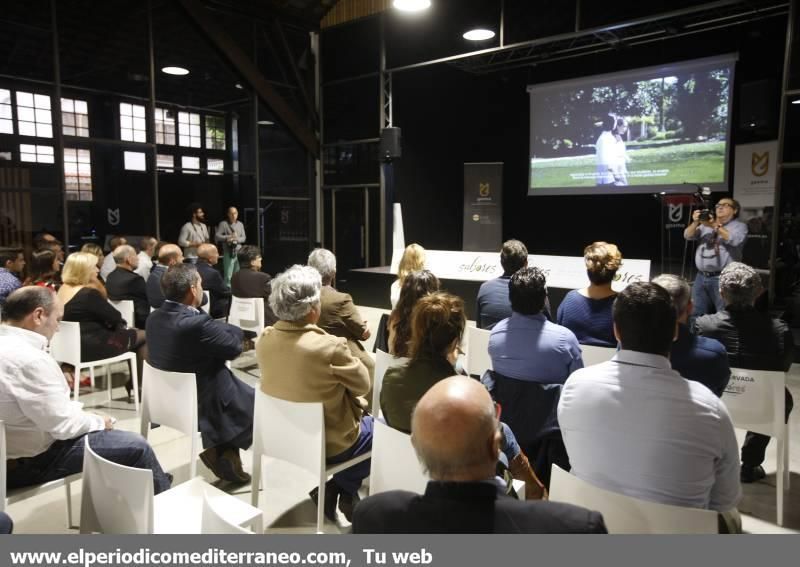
[(384, 512), (551, 517)]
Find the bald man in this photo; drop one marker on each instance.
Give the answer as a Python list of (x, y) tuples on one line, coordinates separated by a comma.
[(168, 255), (207, 259), (455, 431)]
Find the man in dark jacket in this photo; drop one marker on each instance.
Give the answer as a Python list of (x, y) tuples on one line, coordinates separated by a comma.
[(168, 255), (455, 433), (250, 281), (123, 284), (754, 341), (207, 258), (185, 339)]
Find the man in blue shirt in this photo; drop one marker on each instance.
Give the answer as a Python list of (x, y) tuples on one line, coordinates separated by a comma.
[(12, 264), (701, 359), (720, 242), (527, 346)]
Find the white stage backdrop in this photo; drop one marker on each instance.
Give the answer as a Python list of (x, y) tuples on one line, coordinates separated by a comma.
[(566, 272)]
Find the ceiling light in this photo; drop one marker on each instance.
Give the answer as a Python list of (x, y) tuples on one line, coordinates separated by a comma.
[(266, 122), (175, 70), (479, 34), (238, 86), (796, 101), (412, 5)]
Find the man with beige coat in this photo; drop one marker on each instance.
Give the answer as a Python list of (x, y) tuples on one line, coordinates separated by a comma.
[(300, 362)]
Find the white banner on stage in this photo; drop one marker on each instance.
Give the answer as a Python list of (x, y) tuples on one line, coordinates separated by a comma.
[(754, 174), (567, 272)]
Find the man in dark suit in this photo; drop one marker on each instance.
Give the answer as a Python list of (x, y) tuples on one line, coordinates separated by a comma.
[(185, 339), (123, 284), (250, 281), (455, 432), (207, 258), (168, 255)]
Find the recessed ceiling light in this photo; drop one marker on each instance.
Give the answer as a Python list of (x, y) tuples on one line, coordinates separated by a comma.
[(266, 122), (175, 70), (479, 34), (238, 86), (412, 5)]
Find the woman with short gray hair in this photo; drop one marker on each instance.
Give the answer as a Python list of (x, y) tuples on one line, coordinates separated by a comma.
[(300, 362)]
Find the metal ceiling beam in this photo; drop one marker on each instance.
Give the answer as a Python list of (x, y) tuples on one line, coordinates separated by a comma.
[(250, 72)]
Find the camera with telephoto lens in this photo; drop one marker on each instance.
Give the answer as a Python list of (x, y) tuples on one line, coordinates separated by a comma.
[(705, 215)]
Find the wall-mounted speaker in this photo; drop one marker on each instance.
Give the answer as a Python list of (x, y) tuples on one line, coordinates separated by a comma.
[(390, 146)]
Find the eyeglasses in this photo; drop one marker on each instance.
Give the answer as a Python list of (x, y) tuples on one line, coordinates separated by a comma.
[(723, 205)]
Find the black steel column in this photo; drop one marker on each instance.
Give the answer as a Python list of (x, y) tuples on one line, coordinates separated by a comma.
[(152, 121), (58, 130)]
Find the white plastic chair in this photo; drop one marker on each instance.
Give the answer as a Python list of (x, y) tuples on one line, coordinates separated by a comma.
[(627, 515), (383, 362), (214, 522), (247, 313), (117, 499), (756, 402), (207, 306), (125, 308), (478, 360), (65, 346), (596, 354), (293, 432), (11, 496), (395, 465), (170, 399)]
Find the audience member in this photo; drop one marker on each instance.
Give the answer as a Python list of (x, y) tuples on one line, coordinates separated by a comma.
[(6, 523), (527, 346), (301, 362), (44, 269), (230, 236), (45, 431), (124, 284), (250, 281), (634, 426), (207, 258), (104, 333), (12, 265), (168, 255), (147, 246), (185, 339), (193, 233), (109, 264), (697, 358), (455, 434), (437, 328), (95, 250), (493, 302), (46, 241), (339, 315), (754, 340), (587, 311), (416, 285), (412, 260)]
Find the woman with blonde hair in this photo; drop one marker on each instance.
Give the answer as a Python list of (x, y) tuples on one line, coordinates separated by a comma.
[(96, 250), (104, 333), (587, 311), (413, 260)]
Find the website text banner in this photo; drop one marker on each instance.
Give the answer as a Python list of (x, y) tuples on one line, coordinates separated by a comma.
[(567, 272), (395, 551)]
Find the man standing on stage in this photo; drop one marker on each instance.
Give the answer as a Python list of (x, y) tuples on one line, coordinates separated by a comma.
[(720, 242), (193, 233)]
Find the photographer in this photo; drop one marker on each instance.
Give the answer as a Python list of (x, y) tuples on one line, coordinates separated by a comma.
[(721, 240)]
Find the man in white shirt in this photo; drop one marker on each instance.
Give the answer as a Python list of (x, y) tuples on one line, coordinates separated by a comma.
[(45, 431), (147, 248), (633, 425)]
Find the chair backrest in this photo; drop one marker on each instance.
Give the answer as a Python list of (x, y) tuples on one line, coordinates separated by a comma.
[(115, 499), (169, 398), (289, 431), (383, 362), (596, 354), (478, 360), (212, 522), (627, 515), (207, 306), (755, 400), (247, 313), (65, 346), (125, 307), (395, 465)]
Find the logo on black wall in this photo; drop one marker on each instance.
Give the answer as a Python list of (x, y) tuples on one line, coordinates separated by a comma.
[(675, 212), (113, 217)]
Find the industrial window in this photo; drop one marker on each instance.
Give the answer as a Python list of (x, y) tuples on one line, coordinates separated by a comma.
[(132, 123), (37, 154), (189, 129), (165, 126), (215, 133), (33, 115), (78, 174), (189, 163), (6, 125), (135, 161), (75, 116), (165, 162), (215, 166)]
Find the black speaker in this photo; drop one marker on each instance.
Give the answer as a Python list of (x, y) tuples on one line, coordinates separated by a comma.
[(390, 147)]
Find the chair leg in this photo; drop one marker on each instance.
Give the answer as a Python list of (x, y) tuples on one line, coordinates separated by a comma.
[(68, 490), (321, 503), (255, 483), (91, 376), (779, 477), (108, 381), (786, 461), (196, 443), (135, 377)]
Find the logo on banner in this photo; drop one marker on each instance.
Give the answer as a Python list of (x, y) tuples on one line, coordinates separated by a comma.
[(759, 164), (484, 189), (675, 212), (113, 217)]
